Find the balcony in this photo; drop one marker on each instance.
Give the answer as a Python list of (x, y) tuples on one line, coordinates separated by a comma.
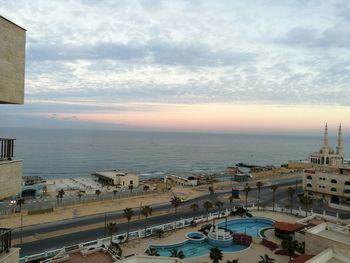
[(5, 240), (6, 149)]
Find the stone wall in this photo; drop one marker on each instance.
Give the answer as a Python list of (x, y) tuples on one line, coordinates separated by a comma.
[(12, 57), (10, 178)]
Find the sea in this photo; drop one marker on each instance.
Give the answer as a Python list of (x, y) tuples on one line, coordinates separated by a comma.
[(58, 153)]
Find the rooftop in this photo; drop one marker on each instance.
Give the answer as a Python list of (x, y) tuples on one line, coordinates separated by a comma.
[(288, 227)]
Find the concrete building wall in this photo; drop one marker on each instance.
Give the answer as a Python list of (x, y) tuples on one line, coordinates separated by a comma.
[(10, 178), (126, 180), (12, 62), (315, 244), (11, 257)]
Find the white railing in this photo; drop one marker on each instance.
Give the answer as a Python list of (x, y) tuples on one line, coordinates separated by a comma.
[(165, 227)]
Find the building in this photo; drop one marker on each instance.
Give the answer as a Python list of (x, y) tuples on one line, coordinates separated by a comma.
[(329, 242), (326, 155), (12, 57), (190, 181), (332, 187), (117, 178), (12, 61)]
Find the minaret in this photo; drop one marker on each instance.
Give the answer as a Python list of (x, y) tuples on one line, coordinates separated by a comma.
[(325, 138), (340, 147)]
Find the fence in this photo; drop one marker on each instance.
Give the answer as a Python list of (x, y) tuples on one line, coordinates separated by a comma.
[(165, 227)]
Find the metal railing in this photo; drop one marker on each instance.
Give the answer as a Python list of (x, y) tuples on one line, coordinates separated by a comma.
[(7, 148), (5, 239)]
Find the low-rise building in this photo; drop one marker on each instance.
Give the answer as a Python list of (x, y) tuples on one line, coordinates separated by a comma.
[(331, 187), (117, 178), (189, 181), (326, 236)]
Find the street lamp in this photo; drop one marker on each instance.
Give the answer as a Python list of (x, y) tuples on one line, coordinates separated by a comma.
[(13, 204)]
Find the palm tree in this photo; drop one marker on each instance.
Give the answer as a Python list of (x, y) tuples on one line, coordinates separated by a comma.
[(128, 214), (266, 259), (274, 189), (61, 193), (152, 252), (146, 211), (131, 187), (145, 188), (79, 195), (231, 201), (259, 185), (207, 206), (291, 191), (97, 193), (111, 229), (219, 205), (20, 202), (194, 207), (215, 254), (246, 191), (232, 261), (174, 253), (175, 201), (115, 192)]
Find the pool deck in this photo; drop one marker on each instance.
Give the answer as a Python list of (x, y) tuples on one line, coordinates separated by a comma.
[(251, 255)]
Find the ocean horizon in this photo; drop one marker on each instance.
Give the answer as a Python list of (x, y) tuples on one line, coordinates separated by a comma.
[(58, 153)]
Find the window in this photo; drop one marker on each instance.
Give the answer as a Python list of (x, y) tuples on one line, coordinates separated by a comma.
[(333, 181), (333, 189), (346, 191), (347, 183), (131, 182), (309, 177), (308, 185)]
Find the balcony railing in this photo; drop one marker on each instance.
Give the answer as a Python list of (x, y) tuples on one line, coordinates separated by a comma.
[(5, 240), (6, 148)]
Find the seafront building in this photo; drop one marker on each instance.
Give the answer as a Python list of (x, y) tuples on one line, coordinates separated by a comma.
[(326, 158), (332, 187), (12, 62), (117, 178)]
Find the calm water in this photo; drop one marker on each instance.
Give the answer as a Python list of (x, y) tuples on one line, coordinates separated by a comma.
[(66, 153)]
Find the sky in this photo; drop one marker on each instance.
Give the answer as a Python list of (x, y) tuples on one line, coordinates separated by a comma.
[(210, 66)]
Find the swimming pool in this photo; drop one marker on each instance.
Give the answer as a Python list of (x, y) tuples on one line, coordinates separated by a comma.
[(191, 249), (248, 226)]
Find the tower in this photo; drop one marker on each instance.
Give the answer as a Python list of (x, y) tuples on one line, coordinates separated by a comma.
[(340, 147)]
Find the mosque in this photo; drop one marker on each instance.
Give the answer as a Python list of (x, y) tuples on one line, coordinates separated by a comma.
[(326, 155)]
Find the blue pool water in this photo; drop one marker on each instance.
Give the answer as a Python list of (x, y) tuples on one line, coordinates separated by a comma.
[(250, 226)]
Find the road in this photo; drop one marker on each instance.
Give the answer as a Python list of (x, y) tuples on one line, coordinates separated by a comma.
[(184, 211)]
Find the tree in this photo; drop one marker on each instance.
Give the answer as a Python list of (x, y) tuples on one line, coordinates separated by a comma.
[(194, 207), (128, 214), (152, 252), (231, 201), (115, 192), (131, 187), (215, 254), (174, 253), (274, 189), (207, 206), (218, 204), (61, 193), (175, 201), (266, 259), (291, 191), (111, 229), (159, 232), (79, 195), (145, 188), (232, 261), (246, 191), (98, 192), (146, 211), (259, 185), (20, 202)]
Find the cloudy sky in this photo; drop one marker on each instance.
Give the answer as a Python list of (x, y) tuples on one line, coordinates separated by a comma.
[(228, 66)]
